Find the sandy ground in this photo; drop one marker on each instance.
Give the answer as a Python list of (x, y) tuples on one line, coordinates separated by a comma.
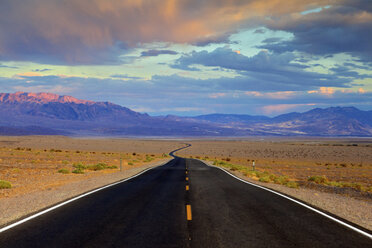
[(92, 144)]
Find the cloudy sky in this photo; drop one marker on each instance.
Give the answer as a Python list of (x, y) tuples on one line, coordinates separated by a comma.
[(191, 57)]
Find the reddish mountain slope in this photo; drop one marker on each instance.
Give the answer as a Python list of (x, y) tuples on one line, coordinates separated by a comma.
[(44, 113)]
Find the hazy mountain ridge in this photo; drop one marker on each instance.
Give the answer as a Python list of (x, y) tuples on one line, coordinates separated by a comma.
[(44, 113)]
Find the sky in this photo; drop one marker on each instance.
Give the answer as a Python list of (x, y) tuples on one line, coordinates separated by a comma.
[(191, 57)]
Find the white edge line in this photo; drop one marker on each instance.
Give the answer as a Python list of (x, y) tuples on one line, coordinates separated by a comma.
[(74, 199), (298, 202)]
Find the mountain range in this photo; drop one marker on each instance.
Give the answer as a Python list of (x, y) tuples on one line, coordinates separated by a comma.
[(24, 113)]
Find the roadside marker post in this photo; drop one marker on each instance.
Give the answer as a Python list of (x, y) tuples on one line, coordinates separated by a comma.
[(253, 164), (121, 164)]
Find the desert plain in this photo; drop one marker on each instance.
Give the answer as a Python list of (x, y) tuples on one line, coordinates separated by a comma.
[(324, 172)]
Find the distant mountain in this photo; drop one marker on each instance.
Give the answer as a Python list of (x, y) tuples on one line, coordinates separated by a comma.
[(44, 113), (27, 112), (63, 107), (333, 121), (232, 118)]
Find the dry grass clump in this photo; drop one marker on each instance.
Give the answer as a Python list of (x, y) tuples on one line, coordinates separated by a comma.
[(262, 176), (64, 171), (324, 181), (268, 177), (5, 184), (80, 167)]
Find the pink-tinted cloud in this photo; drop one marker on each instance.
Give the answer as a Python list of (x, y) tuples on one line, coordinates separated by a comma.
[(327, 91), (282, 108), (361, 91), (27, 74), (272, 95), (216, 95)]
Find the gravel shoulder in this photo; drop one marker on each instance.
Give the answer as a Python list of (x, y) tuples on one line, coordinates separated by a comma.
[(358, 211), (14, 208)]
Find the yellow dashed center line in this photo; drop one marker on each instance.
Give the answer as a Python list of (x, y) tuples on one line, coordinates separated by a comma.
[(186, 172), (187, 179), (187, 187), (188, 211)]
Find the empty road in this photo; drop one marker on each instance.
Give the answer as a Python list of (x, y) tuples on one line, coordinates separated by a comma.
[(183, 203)]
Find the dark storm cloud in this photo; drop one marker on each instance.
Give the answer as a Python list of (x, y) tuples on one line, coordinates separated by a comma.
[(345, 27), (154, 52), (260, 31), (271, 40), (125, 76), (223, 39), (265, 69), (6, 66), (41, 70), (344, 71)]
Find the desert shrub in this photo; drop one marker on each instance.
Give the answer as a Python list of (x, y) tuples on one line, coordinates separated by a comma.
[(264, 179), (79, 166), (283, 180), (130, 163), (64, 171), (134, 154), (112, 167), (357, 186), (343, 165), (334, 184), (262, 176), (78, 171), (96, 167), (148, 159), (292, 184), (5, 184), (318, 179)]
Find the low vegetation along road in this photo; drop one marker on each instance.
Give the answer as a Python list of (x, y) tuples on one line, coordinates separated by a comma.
[(184, 203)]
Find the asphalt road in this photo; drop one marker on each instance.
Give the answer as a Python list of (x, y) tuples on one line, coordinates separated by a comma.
[(170, 206)]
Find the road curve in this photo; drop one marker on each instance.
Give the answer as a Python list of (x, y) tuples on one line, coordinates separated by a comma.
[(183, 203)]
